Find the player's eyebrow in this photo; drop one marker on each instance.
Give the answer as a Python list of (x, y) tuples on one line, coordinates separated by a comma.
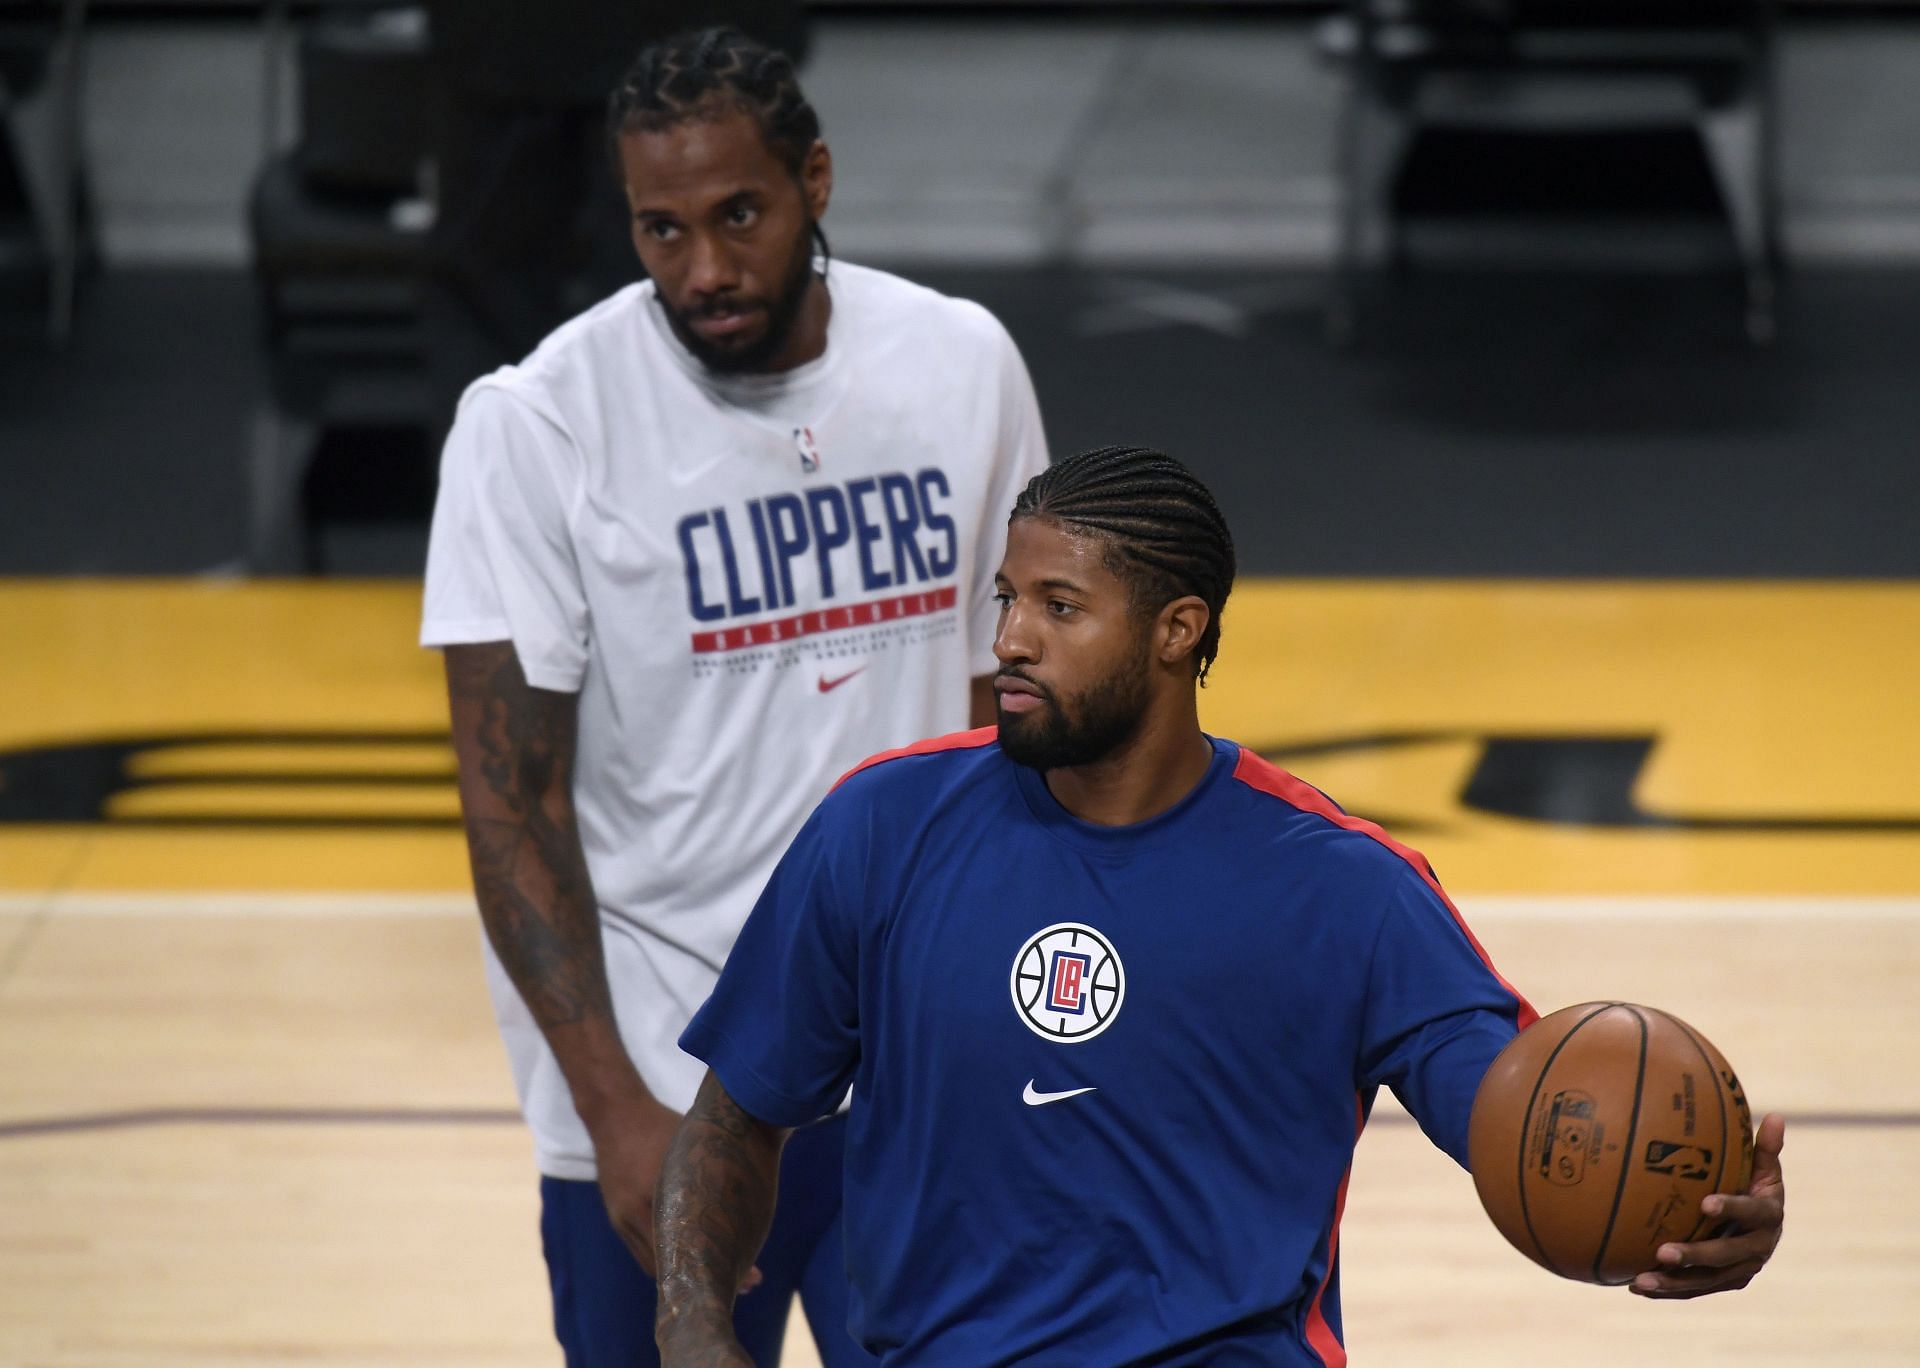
[(1067, 585)]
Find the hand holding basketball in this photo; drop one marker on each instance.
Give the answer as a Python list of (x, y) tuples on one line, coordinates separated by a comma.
[(1727, 1264), (1611, 1143)]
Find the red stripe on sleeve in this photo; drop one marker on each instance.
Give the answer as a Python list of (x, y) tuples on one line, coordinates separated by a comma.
[(1260, 773), (966, 740)]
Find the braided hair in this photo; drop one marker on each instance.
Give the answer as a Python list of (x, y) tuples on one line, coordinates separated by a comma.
[(707, 73), (1165, 534)]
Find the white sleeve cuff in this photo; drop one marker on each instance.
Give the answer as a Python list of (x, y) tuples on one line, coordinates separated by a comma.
[(463, 631)]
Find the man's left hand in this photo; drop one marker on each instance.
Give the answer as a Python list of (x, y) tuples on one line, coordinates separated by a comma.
[(1723, 1265)]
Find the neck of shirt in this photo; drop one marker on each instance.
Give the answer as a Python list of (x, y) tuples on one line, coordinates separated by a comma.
[(1092, 837), (773, 393)]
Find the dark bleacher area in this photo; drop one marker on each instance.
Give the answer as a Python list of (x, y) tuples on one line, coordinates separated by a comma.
[(1500, 425), (1503, 407)]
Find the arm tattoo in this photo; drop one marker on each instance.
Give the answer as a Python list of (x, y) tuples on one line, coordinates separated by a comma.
[(714, 1208), (515, 745)]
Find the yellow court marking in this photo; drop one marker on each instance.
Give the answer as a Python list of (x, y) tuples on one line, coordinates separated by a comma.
[(1748, 738), (193, 760), (367, 802), (1785, 704)]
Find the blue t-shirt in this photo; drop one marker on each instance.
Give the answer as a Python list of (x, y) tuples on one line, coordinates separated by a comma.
[(1107, 1081)]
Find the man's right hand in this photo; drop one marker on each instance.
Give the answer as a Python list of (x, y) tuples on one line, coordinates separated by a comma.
[(629, 1143), (702, 1347)]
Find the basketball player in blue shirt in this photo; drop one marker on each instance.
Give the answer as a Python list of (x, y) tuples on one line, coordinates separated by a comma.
[(1114, 998)]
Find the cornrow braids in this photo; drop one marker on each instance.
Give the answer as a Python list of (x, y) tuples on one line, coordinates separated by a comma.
[(704, 73), (1165, 533)]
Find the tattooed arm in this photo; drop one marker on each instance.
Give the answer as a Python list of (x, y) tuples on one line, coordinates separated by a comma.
[(716, 1205), (515, 746)]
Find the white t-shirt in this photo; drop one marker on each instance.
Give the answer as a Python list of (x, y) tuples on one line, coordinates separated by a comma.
[(752, 582)]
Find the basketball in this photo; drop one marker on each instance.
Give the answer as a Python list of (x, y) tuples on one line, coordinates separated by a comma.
[(1598, 1131)]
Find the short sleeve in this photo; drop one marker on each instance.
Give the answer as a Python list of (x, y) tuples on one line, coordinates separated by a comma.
[(500, 560), (781, 1030), (1436, 1013), (1020, 453)]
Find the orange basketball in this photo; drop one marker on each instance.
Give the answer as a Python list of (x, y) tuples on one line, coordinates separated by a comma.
[(1597, 1132)]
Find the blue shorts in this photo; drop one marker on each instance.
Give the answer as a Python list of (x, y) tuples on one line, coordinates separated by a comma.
[(603, 1304)]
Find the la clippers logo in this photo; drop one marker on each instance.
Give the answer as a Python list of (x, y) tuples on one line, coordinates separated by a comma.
[(1067, 989), (1068, 983)]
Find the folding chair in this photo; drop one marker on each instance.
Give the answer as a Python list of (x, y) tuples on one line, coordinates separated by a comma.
[(1558, 64)]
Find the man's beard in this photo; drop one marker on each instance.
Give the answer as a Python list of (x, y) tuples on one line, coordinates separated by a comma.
[(783, 311), (1102, 720)]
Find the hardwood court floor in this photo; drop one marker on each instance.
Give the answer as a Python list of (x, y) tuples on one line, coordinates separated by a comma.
[(253, 1112), (330, 1172)]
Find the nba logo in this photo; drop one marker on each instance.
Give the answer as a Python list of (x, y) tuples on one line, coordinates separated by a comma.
[(809, 453), (1066, 986)]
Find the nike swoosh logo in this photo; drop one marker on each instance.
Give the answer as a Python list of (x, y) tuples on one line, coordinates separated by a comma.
[(829, 685), (1040, 1099)]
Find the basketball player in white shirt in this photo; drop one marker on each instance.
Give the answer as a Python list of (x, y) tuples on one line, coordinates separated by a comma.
[(715, 541)]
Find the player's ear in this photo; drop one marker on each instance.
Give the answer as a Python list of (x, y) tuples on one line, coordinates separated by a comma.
[(816, 178), (1182, 623)]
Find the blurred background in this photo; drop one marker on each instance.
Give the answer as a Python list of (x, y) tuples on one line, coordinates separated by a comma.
[(1553, 359)]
